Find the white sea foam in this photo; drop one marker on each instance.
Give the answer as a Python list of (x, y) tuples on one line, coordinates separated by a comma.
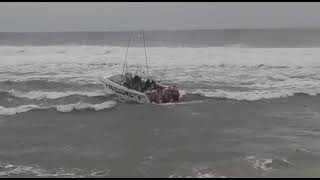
[(303, 150), (179, 103), (24, 170), (10, 169), (182, 93), (198, 175), (83, 106), (252, 95), (260, 163), (258, 72), (203, 172), (37, 95), (268, 164), (8, 111)]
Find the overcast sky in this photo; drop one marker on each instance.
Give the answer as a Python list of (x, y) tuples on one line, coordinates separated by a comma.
[(104, 16)]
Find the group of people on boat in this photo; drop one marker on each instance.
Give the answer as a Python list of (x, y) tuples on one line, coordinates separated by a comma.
[(164, 94), (155, 92), (137, 84)]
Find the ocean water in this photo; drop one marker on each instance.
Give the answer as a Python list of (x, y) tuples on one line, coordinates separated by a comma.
[(249, 105)]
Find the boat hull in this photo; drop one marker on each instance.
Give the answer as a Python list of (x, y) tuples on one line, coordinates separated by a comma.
[(125, 93)]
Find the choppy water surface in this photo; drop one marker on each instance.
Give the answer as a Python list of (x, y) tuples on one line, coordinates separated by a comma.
[(247, 111)]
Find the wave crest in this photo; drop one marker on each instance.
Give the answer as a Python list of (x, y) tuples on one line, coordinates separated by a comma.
[(83, 106), (38, 95), (250, 95), (8, 111)]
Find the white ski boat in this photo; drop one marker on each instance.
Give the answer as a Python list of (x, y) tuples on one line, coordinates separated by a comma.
[(125, 93), (138, 90)]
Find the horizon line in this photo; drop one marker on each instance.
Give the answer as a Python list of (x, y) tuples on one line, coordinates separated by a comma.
[(172, 30)]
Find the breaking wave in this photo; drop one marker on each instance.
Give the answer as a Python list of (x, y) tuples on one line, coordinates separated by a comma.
[(234, 72), (196, 95), (37, 95), (253, 95), (268, 164), (181, 103), (8, 111), (260, 163), (7, 170), (84, 106), (22, 84), (196, 172)]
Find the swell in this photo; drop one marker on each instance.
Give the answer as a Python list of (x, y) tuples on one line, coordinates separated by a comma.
[(16, 98), (246, 96), (14, 170), (38, 95), (29, 85), (189, 99), (185, 95), (8, 111)]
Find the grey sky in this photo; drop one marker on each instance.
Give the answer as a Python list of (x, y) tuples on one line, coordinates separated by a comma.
[(59, 16)]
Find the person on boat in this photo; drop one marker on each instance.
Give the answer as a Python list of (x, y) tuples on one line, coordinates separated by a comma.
[(140, 85), (153, 85), (136, 83), (128, 80), (175, 94), (135, 79), (147, 85)]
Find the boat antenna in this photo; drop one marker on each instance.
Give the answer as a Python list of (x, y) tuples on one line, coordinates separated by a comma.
[(145, 53), (125, 59), (137, 69)]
